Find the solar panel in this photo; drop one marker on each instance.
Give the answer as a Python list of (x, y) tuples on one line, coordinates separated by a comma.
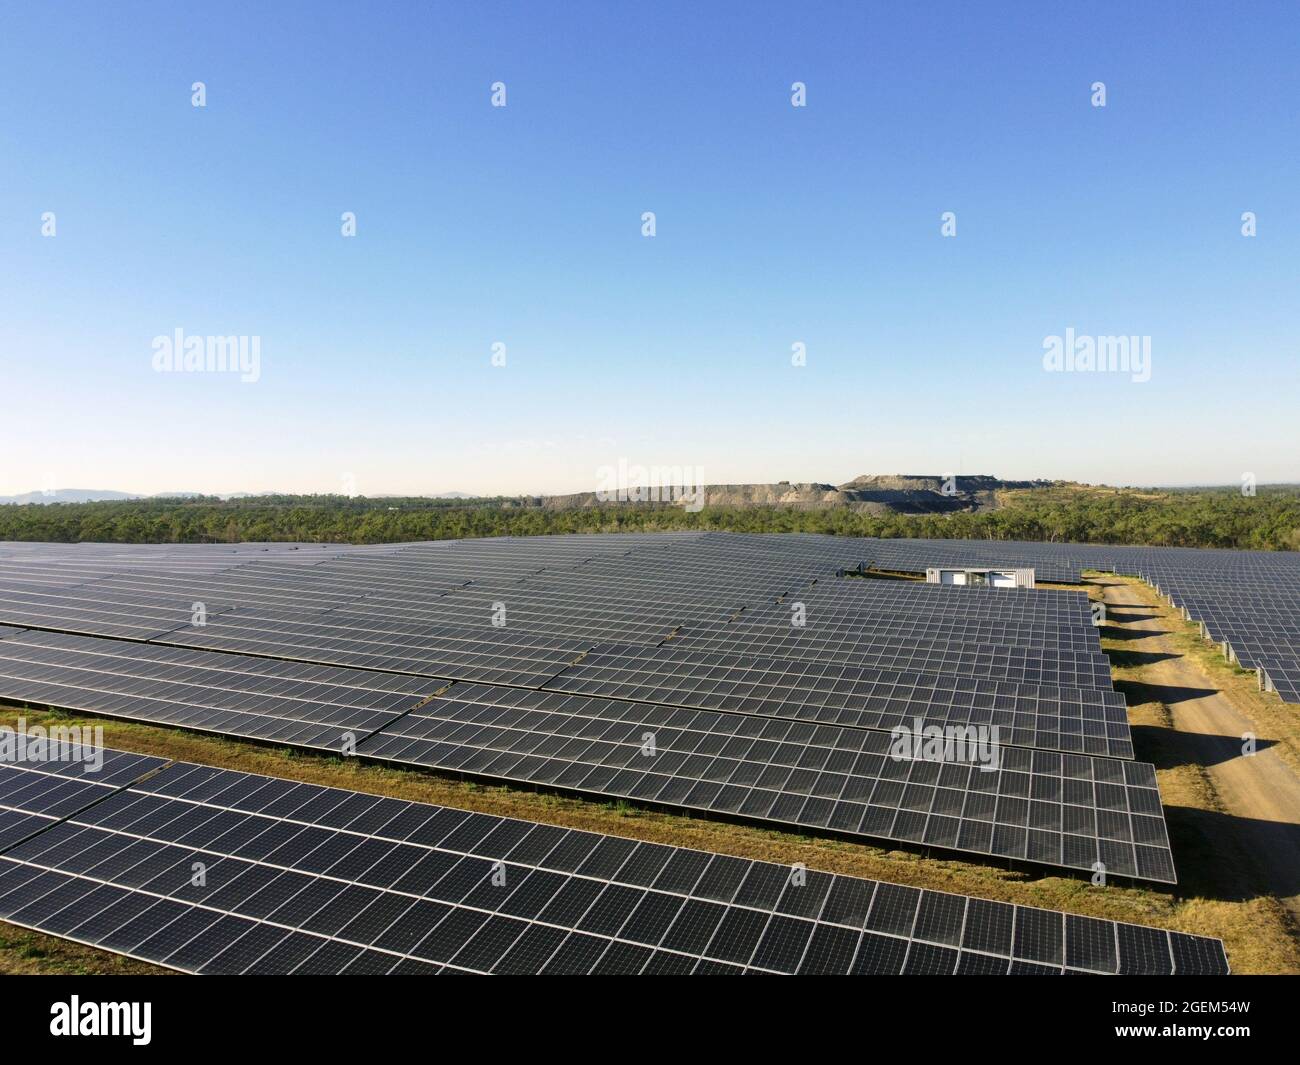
[(31, 802), (793, 772), (1066, 811), (807, 642), (214, 871), (500, 656), (916, 597), (1281, 675), (856, 625), (305, 705), (1079, 720), (65, 612), (1248, 601)]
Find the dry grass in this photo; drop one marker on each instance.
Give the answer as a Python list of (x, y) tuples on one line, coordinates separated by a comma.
[(24, 953)]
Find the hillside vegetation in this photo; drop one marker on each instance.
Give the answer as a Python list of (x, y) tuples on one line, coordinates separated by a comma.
[(1185, 518)]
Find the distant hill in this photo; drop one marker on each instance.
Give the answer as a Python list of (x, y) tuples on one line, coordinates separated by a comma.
[(435, 495), (870, 493), (68, 495), (98, 495)]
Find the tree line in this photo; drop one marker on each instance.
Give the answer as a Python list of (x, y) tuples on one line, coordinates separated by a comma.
[(1270, 520)]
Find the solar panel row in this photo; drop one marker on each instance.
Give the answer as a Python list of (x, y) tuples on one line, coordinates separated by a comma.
[(504, 656), (888, 650), (213, 871), (1080, 720), (790, 769), (322, 707), (1062, 810)]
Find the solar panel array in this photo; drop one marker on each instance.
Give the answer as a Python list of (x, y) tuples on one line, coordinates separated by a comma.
[(1079, 720), (941, 653), (494, 659), (1246, 601), (212, 871), (507, 656), (1062, 810), (320, 707)]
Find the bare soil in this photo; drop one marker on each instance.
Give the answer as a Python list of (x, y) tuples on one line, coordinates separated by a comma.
[(1242, 831)]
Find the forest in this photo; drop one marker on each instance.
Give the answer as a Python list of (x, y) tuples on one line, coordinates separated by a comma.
[(1212, 517)]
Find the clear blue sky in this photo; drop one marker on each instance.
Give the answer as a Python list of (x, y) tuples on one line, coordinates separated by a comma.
[(522, 225)]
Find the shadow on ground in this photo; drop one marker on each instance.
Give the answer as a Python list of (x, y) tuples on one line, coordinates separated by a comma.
[(1139, 658), (1233, 859), (1136, 692), (1110, 632), (1167, 748), (1121, 613)]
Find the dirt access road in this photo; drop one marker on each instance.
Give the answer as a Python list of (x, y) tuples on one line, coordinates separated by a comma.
[(1248, 842)]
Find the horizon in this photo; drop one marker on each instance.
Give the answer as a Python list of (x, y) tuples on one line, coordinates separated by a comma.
[(126, 495), (788, 223)]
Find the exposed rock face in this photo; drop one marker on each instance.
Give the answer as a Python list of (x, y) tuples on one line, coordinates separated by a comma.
[(873, 493), (977, 482)]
